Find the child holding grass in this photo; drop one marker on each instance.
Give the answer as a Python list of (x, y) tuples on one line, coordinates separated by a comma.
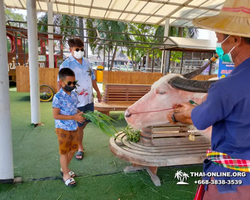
[(66, 116)]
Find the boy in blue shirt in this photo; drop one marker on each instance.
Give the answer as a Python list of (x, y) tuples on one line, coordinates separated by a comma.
[(66, 116)]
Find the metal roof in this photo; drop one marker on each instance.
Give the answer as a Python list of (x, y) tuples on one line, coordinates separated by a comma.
[(180, 12), (189, 44)]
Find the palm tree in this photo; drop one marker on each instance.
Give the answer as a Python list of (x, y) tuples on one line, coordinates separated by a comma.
[(111, 31), (178, 174), (149, 34), (181, 176), (185, 176), (61, 22), (115, 28), (140, 31)]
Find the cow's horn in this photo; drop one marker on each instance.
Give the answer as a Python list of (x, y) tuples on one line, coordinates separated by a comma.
[(190, 85), (201, 69)]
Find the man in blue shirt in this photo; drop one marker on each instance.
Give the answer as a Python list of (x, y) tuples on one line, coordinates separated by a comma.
[(86, 81), (227, 106)]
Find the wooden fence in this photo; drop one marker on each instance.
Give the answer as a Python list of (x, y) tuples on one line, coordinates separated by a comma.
[(139, 77), (130, 77), (48, 76)]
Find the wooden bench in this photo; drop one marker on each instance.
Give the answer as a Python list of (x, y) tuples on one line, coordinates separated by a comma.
[(159, 146), (118, 97)]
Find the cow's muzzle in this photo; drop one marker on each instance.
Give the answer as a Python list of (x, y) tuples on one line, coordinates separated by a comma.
[(127, 114)]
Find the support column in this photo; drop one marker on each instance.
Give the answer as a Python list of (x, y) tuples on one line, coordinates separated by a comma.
[(50, 36), (182, 61), (164, 60), (168, 63), (6, 154), (33, 62), (104, 57), (109, 58), (147, 66), (153, 62)]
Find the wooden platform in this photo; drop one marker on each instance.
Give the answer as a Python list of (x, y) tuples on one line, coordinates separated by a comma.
[(166, 146)]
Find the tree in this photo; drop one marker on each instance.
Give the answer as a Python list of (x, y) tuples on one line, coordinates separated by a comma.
[(116, 28), (10, 14), (148, 34), (183, 32), (62, 24), (92, 34), (113, 32)]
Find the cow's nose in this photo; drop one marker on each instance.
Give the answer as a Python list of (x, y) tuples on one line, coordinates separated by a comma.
[(127, 114)]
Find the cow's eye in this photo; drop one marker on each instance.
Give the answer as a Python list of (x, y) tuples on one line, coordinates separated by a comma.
[(161, 92)]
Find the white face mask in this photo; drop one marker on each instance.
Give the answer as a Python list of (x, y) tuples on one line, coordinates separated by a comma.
[(78, 54)]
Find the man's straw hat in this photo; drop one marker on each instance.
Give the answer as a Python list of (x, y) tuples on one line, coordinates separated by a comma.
[(233, 19)]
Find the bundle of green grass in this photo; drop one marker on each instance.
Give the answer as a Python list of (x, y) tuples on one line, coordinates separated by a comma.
[(105, 124), (132, 134), (102, 121)]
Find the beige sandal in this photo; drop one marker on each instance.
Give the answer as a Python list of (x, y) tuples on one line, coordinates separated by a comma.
[(69, 182), (71, 173)]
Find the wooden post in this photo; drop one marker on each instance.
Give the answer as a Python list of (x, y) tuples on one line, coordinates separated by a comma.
[(153, 170), (181, 62), (169, 61), (153, 62), (104, 57), (16, 49), (108, 56), (24, 48)]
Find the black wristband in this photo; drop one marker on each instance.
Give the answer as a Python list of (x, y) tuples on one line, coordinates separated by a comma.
[(173, 118)]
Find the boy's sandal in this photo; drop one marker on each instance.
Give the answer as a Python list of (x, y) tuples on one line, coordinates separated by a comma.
[(79, 153), (69, 182), (71, 173)]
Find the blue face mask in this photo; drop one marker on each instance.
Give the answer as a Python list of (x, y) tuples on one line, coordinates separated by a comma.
[(224, 57)]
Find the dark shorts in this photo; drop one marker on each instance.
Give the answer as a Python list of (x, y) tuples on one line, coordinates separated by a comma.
[(88, 107)]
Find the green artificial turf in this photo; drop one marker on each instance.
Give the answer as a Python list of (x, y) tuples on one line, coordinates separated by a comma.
[(100, 173)]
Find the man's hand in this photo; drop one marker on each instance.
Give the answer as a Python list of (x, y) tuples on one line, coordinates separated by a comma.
[(169, 117), (184, 107), (182, 113), (99, 97), (78, 117)]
